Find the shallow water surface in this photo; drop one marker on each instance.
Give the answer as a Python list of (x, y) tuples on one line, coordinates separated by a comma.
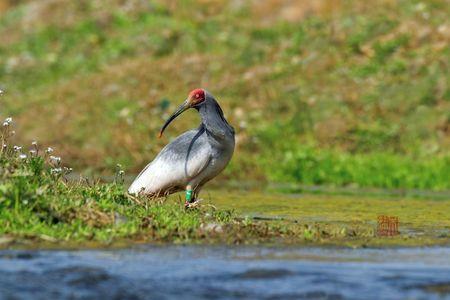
[(197, 272)]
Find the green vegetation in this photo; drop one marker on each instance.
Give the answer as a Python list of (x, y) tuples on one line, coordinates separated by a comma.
[(321, 92), (313, 166), (37, 201)]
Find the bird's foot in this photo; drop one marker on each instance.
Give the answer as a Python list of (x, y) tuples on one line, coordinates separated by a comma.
[(193, 204)]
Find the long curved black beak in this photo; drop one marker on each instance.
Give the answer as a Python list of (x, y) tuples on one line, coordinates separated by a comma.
[(183, 107)]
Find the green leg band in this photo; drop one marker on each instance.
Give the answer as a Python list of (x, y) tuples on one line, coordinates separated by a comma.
[(188, 195)]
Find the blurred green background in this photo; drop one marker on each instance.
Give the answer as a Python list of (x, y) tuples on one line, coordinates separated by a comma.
[(336, 93)]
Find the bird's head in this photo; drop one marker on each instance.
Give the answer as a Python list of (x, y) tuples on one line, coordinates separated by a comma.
[(194, 100)]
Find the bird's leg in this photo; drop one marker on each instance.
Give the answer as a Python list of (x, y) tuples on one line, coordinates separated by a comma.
[(196, 194), (189, 196), (192, 197)]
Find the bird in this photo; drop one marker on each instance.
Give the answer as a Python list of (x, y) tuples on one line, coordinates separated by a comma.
[(193, 158)]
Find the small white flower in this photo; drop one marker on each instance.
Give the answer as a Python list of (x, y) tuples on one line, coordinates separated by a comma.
[(17, 148), (121, 172), (49, 150), (33, 152), (34, 143), (56, 171), (7, 122), (1, 92), (55, 159), (68, 170), (23, 156)]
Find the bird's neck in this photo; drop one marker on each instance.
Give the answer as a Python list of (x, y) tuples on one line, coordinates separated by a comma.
[(214, 121)]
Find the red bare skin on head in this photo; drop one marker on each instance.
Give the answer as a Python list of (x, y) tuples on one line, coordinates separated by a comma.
[(196, 96)]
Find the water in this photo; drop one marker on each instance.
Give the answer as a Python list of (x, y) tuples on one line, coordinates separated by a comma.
[(196, 272)]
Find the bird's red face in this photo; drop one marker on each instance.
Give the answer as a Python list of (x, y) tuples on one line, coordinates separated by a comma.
[(195, 98)]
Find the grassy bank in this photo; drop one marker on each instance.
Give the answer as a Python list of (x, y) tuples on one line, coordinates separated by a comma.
[(40, 207), (38, 203), (320, 92)]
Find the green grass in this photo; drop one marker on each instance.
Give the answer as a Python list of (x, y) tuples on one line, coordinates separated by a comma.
[(37, 202), (366, 84), (314, 166)]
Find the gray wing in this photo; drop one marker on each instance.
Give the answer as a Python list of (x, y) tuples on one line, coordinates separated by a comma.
[(178, 162)]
